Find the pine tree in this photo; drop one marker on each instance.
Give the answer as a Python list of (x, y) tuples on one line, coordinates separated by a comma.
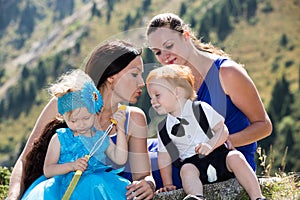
[(182, 9), (223, 25), (281, 101)]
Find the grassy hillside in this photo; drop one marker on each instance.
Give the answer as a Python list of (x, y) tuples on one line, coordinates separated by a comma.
[(258, 46), (255, 43)]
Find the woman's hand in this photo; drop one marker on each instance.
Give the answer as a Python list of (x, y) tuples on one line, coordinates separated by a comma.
[(120, 117), (166, 188), (140, 190)]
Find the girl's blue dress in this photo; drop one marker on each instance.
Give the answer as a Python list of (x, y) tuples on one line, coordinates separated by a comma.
[(99, 181)]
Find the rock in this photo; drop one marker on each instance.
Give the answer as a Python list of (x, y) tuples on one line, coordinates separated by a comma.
[(226, 190), (172, 195)]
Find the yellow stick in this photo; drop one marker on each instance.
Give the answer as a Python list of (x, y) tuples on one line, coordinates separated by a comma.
[(73, 183)]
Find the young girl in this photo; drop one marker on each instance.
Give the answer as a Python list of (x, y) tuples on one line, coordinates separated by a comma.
[(203, 158), (79, 101)]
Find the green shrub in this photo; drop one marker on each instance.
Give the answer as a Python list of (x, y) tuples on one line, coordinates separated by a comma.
[(4, 181)]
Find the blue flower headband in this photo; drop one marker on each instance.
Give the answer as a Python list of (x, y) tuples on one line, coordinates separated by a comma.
[(88, 97)]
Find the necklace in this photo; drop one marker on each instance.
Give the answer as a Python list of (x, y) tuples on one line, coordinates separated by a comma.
[(102, 123)]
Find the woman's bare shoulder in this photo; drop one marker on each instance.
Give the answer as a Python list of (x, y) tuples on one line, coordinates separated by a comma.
[(137, 113), (138, 122)]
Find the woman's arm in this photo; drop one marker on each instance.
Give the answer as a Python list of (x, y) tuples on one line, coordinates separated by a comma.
[(118, 152), (16, 184), (165, 167), (143, 184), (243, 93)]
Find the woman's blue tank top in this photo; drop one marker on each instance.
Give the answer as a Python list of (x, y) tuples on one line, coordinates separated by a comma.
[(212, 92)]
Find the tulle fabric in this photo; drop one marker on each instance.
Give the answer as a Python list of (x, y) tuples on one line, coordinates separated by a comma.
[(97, 182)]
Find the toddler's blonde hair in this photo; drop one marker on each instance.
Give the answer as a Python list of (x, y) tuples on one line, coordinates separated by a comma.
[(177, 76)]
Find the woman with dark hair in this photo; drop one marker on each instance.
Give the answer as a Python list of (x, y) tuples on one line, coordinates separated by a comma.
[(116, 68)]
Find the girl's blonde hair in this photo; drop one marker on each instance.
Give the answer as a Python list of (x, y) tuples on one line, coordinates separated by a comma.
[(177, 76), (71, 81)]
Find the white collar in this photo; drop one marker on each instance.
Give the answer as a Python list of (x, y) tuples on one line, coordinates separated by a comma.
[(187, 111)]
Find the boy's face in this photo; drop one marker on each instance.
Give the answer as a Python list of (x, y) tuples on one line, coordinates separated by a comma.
[(80, 121), (163, 96)]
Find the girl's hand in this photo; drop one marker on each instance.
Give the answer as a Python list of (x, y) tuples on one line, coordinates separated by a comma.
[(166, 188), (80, 164), (203, 149), (140, 190)]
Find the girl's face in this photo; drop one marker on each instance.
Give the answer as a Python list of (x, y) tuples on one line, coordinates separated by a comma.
[(169, 46), (128, 83), (163, 96), (80, 121)]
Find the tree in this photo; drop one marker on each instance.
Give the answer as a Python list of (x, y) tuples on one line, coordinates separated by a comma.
[(295, 107), (2, 109), (64, 8), (281, 100), (251, 8), (9, 11), (25, 72), (2, 73), (127, 22), (234, 8), (182, 9), (3, 22), (223, 25), (279, 107), (32, 91), (95, 11), (204, 31), (57, 64), (27, 22), (193, 22), (41, 74), (108, 16), (146, 4), (284, 40), (148, 56)]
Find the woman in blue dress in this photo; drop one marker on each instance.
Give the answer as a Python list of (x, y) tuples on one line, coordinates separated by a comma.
[(221, 82), (79, 101)]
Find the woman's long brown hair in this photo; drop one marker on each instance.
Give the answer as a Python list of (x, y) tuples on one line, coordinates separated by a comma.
[(34, 162)]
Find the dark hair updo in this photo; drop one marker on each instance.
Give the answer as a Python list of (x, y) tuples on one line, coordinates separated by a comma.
[(109, 59)]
